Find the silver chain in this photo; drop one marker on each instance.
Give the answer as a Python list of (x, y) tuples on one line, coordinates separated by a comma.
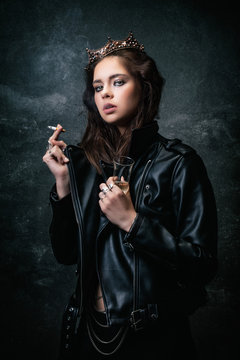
[(91, 334)]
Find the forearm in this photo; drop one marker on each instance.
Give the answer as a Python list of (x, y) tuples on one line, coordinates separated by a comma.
[(189, 257), (183, 238), (62, 187), (63, 229)]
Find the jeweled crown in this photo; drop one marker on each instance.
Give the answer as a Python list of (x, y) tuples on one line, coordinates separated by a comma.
[(113, 45)]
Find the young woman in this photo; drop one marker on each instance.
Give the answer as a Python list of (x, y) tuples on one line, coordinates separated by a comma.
[(143, 257)]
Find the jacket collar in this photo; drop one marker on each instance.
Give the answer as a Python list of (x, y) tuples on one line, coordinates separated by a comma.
[(142, 138)]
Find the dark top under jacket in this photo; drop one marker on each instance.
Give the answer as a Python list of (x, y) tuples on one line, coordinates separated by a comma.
[(170, 252)]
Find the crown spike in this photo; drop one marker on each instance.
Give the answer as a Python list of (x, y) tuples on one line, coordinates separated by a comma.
[(113, 45)]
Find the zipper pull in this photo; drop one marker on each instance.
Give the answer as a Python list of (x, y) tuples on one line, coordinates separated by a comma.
[(129, 245)]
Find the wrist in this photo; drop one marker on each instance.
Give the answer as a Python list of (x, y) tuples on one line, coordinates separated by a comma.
[(127, 226), (62, 187)]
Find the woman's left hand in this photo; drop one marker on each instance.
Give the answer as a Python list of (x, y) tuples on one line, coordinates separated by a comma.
[(116, 205)]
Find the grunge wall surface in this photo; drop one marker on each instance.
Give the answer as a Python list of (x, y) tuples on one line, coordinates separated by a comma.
[(196, 47)]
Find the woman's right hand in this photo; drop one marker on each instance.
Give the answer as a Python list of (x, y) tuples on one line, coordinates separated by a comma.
[(57, 162)]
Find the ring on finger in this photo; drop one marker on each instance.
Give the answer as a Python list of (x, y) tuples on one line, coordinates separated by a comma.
[(110, 186), (105, 190), (49, 146)]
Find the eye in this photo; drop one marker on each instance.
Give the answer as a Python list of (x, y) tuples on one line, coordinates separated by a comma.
[(98, 88), (119, 82)]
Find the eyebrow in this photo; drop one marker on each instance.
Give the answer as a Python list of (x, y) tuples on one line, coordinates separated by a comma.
[(110, 78)]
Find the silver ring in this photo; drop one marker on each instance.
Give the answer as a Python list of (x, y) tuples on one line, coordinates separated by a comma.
[(110, 186), (105, 190), (49, 146)]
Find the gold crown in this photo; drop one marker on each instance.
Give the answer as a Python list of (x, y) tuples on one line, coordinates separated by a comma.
[(113, 45)]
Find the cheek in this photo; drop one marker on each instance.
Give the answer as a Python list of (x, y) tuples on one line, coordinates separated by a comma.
[(133, 97)]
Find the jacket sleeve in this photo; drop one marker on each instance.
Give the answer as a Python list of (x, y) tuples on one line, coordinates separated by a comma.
[(191, 249), (63, 229)]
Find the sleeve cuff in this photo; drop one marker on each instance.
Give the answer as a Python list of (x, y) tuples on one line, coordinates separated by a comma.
[(58, 203), (134, 229)]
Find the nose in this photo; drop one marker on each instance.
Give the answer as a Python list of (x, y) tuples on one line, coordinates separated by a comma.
[(106, 92)]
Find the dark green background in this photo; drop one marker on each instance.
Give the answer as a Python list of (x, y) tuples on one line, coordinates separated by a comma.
[(196, 47)]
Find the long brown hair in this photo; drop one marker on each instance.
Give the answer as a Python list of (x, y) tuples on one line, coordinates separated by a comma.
[(102, 141)]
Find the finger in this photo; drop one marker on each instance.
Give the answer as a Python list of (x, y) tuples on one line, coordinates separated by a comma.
[(56, 133), (59, 143), (110, 186), (101, 204), (105, 190), (110, 182), (111, 179), (101, 196), (45, 157), (57, 153), (103, 186), (48, 157)]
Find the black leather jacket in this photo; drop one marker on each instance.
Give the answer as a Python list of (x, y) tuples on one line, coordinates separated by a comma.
[(170, 252)]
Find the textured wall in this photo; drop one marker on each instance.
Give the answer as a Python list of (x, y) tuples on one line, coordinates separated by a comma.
[(196, 47)]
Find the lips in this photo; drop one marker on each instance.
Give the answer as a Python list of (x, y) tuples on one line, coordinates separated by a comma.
[(109, 108)]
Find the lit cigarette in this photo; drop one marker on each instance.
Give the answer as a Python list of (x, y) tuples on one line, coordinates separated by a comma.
[(55, 128)]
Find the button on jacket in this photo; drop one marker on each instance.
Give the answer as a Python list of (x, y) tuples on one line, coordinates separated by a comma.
[(170, 252)]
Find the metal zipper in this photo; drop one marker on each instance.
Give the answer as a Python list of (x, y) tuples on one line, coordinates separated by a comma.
[(135, 257), (79, 219), (141, 184)]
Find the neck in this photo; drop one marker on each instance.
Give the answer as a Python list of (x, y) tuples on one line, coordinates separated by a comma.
[(122, 129)]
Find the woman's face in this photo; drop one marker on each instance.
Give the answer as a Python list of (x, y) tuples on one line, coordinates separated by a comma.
[(116, 92)]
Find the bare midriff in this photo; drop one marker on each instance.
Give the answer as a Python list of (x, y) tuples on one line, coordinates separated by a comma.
[(99, 304)]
